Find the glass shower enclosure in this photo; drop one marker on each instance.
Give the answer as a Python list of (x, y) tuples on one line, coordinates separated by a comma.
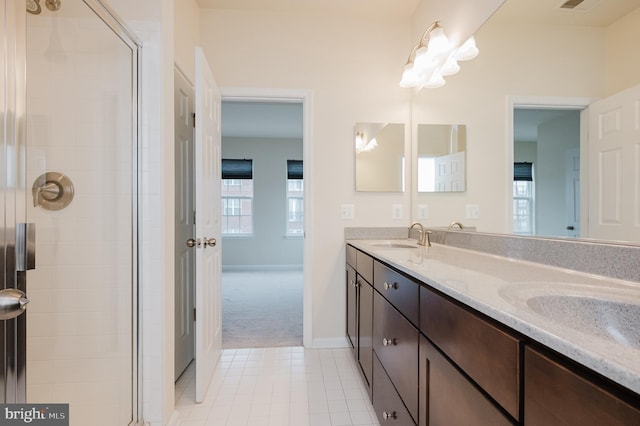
[(69, 192)]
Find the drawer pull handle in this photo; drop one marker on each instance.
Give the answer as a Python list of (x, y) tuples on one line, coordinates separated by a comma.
[(355, 283), (389, 415), (389, 342), (388, 286)]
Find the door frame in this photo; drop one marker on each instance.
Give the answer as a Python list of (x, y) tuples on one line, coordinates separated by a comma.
[(306, 98), (548, 102)]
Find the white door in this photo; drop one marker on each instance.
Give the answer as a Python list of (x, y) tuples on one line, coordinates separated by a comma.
[(572, 192), (207, 203), (184, 214), (614, 167)]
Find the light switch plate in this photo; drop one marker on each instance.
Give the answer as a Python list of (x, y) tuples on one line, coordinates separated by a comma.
[(396, 211), (473, 211), (423, 211), (347, 211)]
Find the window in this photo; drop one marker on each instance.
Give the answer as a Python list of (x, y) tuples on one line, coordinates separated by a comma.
[(295, 198), (237, 197), (523, 198)]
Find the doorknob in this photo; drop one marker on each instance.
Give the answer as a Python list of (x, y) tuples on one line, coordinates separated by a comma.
[(13, 302), (193, 243), (211, 242)]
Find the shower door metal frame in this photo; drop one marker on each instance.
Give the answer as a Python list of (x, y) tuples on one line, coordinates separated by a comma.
[(13, 198), (12, 194)]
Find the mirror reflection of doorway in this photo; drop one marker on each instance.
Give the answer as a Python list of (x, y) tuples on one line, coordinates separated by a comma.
[(547, 201)]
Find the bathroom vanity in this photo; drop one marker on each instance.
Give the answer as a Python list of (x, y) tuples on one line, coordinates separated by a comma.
[(464, 337)]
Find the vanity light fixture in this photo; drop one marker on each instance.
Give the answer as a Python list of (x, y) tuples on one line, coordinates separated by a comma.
[(434, 57)]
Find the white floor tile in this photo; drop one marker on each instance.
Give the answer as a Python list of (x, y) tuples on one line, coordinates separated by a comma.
[(279, 387)]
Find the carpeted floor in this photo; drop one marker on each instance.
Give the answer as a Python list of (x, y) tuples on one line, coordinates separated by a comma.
[(261, 308)]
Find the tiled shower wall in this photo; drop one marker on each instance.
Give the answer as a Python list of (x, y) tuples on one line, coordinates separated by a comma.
[(79, 347)]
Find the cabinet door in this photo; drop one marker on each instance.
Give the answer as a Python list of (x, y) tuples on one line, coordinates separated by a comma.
[(352, 312), (448, 398), (555, 394)]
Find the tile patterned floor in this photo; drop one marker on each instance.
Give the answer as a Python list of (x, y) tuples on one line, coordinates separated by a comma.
[(287, 386)]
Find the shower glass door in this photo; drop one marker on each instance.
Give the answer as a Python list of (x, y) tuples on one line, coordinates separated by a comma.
[(81, 151)]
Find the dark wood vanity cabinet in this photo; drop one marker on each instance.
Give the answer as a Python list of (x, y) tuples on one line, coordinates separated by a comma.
[(487, 353), (359, 275), (559, 393), (395, 343), (447, 397), (430, 360)]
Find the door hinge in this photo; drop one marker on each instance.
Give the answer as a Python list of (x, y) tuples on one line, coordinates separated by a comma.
[(194, 314), (194, 216), (194, 119)]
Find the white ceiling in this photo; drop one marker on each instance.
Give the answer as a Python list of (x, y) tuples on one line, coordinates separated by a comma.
[(380, 8), (526, 122), (278, 120)]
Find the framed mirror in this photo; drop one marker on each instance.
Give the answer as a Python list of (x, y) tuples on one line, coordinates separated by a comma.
[(380, 161), (441, 159)]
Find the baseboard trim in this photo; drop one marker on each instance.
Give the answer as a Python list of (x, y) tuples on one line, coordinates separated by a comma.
[(240, 268), (330, 343), (174, 420)]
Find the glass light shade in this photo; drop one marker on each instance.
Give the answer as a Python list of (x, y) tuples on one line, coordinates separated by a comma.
[(436, 80), (468, 50), (410, 77), (451, 66), (438, 42), (424, 61)]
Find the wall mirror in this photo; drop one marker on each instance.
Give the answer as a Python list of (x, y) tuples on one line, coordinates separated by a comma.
[(441, 159), (535, 56), (380, 161)]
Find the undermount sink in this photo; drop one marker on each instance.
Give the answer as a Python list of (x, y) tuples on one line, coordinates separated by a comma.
[(613, 320), (391, 244)]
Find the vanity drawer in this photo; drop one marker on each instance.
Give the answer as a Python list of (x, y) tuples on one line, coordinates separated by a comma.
[(557, 392), (494, 361), (386, 401), (402, 292), (364, 266), (396, 343)]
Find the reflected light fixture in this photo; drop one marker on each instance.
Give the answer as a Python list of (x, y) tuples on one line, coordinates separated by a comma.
[(362, 145), (434, 57)]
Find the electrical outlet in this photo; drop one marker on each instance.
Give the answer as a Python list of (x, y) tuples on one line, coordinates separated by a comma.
[(347, 211), (473, 211), (396, 211), (423, 211)]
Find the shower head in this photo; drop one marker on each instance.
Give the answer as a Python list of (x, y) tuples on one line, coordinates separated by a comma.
[(53, 5), (33, 6)]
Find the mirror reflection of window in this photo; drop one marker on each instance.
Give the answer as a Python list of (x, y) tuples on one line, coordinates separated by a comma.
[(523, 199)]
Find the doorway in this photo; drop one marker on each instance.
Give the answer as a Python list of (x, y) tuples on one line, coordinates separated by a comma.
[(72, 160), (263, 223)]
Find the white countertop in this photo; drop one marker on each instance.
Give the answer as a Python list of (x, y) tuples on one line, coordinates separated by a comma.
[(503, 289)]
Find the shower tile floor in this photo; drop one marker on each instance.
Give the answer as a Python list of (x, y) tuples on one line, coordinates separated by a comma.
[(285, 386)]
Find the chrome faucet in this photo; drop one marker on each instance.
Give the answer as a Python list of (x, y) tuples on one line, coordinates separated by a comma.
[(456, 223), (423, 236)]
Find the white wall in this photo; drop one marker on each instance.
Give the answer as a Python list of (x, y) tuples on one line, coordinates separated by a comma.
[(555, 137), (623, 57), (352, 65), (186, 18), (268, 245)]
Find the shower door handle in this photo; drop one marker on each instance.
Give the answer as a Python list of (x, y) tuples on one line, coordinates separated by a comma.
[(13, 302)]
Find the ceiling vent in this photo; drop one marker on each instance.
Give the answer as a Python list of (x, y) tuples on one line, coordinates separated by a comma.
[(581, 5)]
